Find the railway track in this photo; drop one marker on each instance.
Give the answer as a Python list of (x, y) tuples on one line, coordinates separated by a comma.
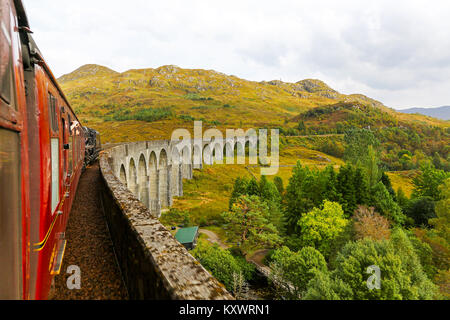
[(89, 247)]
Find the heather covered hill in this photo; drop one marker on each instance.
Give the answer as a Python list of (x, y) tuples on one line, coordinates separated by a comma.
[(147, 103)]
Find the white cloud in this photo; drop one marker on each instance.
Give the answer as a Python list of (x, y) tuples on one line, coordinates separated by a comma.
[(395, 51)]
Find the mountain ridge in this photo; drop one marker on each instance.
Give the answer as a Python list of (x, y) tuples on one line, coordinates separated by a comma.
[(303, 88), (85, 71), (442, 112)]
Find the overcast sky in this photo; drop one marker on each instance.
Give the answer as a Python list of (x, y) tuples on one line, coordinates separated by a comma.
[(397, 52)]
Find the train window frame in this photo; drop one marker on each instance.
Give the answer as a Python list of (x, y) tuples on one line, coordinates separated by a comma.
[(64, 141), (70, 124), (8, 87), (70, 151), (70, 142), (76, 146), (53, 115), (10, 116), (55, 166), (75, 153)]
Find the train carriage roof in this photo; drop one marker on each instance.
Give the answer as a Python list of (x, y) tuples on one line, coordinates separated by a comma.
[(21, 14), (23, 22)]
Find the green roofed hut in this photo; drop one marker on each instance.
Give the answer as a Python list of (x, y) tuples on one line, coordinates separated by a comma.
[(187, 237)]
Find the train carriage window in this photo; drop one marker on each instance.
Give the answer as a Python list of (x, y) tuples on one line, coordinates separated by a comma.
[(64, 141), (75, 148), (70, 154), (52, 112), (7, 87), (10, 215), (55, 172), (70, 142)]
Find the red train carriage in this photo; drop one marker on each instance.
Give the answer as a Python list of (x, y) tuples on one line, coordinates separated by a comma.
[(41, 157)]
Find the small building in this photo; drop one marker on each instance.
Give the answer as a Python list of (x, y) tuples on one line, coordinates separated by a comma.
[(187, 237)]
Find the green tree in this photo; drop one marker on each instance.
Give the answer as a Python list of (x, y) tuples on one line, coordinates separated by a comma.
[(402, 200), (291, 271), (427, 183), (442, 221), (279, 184), (437, 162), (370, 162), (268, 191), (357, 142), (331, 192), (346, 189), (249, 223), (383, 202), (297, 196), (253, 188), (270, 195), (239, 189), (424, 253), (320, 227), (420, 210), (387, 183), (402, 276), (323, 287), (361, 187)]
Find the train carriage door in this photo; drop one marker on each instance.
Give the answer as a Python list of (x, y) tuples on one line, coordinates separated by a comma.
[(10, 215)]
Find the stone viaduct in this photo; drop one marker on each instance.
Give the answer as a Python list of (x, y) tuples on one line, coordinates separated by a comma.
[(154, 170), (139, 180)]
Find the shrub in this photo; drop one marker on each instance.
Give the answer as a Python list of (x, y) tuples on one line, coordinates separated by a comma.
[(176, 217), (291, 271), (369, 224), (148, 115), (222, 264)]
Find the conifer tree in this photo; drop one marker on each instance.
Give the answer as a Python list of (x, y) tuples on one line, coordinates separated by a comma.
[(239, 188), (346, 187), (331, 192), (387, 183), (279, 184), (361, 187), (253, 187), (297, 200)]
